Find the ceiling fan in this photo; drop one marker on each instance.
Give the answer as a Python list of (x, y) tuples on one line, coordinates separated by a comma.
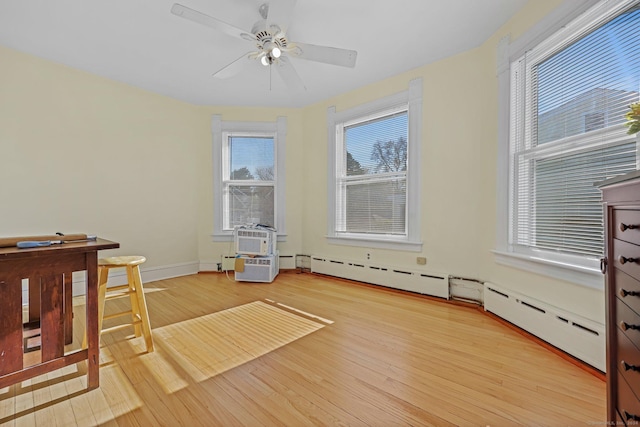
[(271, 45)]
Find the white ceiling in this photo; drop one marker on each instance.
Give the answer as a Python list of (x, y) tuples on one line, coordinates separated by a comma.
[(141, 43)]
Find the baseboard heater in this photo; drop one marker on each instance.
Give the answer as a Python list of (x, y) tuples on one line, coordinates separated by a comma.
[(434, 284), (580, 337)]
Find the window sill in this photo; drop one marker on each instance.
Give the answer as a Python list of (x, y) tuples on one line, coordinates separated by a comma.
[(580, 275), (398, 245)]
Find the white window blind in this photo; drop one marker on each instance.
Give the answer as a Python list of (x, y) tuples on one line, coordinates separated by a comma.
[(569, 96), (372, 174)]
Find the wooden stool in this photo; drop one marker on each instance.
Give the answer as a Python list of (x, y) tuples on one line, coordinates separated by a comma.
[(133, 289)]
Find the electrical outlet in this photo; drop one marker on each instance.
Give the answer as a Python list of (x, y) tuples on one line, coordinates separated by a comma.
[(421, 260)]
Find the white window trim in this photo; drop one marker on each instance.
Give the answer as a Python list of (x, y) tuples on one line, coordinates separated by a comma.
[(569, 269), (411, 98), (279, 130)]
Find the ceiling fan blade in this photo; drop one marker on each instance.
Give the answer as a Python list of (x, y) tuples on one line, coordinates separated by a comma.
[(231, 69), (289, 74), (326, 54), (279, 14), (199, 17)]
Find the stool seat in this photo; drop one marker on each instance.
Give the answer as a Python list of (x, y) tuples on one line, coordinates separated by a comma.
[(133, 289), (121, 261)]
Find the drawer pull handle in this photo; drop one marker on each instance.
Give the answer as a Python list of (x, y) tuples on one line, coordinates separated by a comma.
[(628, 367), (625, 326), (624, 259), (603, 265), (623, 227), (630, 417), (623, 293)]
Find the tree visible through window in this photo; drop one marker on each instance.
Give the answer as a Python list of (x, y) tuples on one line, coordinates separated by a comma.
[(249, 188), (373, 190)]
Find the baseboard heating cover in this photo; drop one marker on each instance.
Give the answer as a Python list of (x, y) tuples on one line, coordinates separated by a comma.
[(434, 284), (580, 337)]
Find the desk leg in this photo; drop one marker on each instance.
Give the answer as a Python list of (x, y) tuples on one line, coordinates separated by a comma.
[(93, 342)]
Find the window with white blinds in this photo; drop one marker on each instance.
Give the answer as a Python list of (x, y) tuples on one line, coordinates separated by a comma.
[(374, 172), (372, 176), (569, 97)]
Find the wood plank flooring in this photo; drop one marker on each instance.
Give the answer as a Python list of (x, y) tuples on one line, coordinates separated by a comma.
[(388, 359)]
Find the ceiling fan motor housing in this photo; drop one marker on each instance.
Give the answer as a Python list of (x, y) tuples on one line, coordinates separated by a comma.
[(265, 35)]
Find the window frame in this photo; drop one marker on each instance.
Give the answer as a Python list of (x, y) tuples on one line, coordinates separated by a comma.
[(571, 16), (411, 100), (221, 130)]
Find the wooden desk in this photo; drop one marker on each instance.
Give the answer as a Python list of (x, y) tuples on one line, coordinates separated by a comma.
[(49, 269)]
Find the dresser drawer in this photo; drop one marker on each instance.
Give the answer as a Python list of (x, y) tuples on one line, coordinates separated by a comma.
[(628, 404), (628, 290), (626, 225), (626, 257), (628, 322), (629, 362)]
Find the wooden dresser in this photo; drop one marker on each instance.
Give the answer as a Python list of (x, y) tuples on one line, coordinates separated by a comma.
[(621, 197)]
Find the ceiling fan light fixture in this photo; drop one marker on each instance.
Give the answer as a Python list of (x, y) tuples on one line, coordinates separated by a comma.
[(272, 49), (265, 61)]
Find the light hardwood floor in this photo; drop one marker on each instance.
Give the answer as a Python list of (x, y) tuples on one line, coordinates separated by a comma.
[(388, 359)]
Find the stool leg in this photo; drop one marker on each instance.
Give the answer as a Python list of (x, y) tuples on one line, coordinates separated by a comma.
[(103, 274), (142, 306), (134, 300)]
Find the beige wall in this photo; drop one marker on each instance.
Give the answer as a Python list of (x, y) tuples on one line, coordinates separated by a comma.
[(84, 154), (81, 153)]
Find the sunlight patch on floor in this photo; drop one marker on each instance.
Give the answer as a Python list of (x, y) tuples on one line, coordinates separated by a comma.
[(212, 344)]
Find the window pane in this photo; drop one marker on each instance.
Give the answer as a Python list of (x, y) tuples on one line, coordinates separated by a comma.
[(251, 158), (568, 212), (250, 205), (589, 84), (377, 207), (377, 146), (372, 188)]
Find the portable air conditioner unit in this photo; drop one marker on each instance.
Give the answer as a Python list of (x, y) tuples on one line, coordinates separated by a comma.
[(257, 269), (254, 241)]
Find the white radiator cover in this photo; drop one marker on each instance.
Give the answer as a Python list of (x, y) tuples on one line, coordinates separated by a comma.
[(580, 337), (434, 284)]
